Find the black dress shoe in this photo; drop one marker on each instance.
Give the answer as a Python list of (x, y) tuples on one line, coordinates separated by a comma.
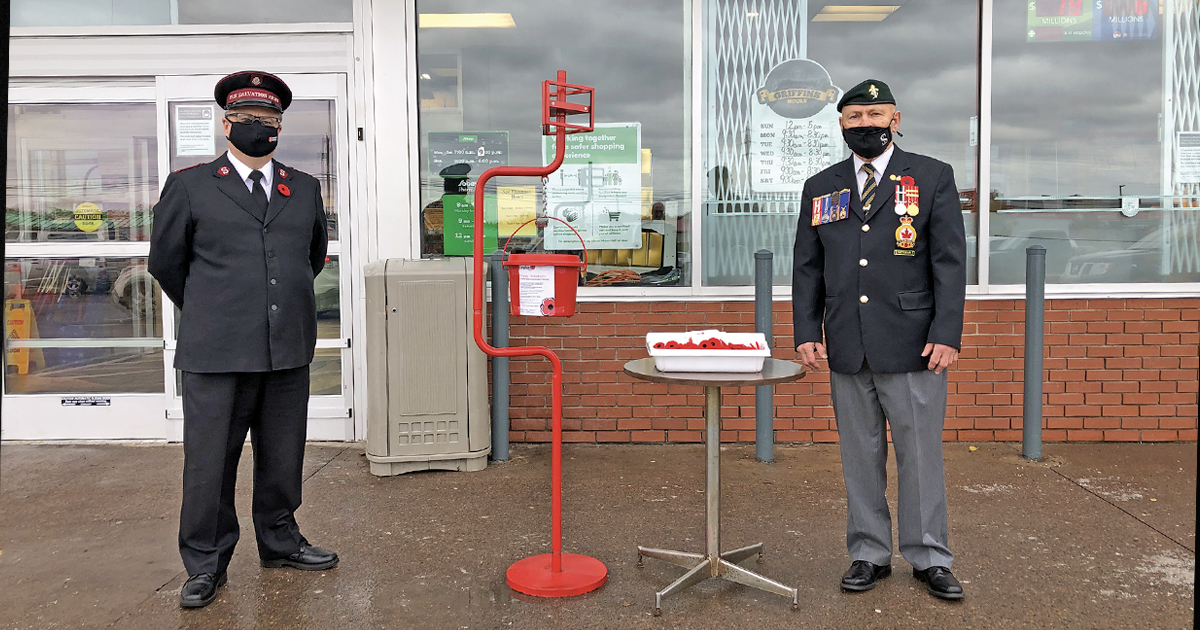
[(941, 582), (200, 590), (309, 558), (863, 575)]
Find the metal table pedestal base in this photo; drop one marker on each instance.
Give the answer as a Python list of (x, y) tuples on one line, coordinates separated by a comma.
[(714, 563)]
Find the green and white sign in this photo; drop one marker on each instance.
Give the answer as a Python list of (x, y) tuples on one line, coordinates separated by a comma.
[(598, 188), (458, 216)]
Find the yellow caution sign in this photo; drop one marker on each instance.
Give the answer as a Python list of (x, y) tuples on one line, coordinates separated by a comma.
[(18, 324), (88, 217)]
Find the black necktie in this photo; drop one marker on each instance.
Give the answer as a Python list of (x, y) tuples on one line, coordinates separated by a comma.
[(868, 195), (259, 194)]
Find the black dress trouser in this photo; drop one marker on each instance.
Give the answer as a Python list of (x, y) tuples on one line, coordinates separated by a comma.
[(218, 410)]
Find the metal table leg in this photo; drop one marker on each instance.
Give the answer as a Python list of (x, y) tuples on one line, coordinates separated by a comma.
[(713, 563)]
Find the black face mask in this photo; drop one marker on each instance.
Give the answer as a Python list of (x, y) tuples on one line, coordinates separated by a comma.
[(868, 142), (253, 138)]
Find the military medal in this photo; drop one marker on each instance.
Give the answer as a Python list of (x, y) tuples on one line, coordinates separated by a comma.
[(906, 235), (907, 197), (844, 204)]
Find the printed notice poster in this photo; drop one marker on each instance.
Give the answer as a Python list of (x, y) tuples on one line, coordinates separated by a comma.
[(794, 132), (516, 205), (458, 225), (1187, 157), (597, 190), (195, 130), (479, 150), (536, 296)]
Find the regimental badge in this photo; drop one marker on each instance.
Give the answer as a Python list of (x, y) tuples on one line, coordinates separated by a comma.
[(906, 234), (223, 171), (874, 91), (908, 196), (256, 80)]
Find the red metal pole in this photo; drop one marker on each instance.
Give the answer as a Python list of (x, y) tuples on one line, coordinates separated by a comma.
[(556, 399)]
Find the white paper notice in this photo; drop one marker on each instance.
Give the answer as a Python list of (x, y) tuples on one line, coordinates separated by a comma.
[(1187, 157), (537, 290), (195, 131)]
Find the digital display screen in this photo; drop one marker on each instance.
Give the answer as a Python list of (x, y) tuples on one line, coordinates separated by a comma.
[(1092, 20)]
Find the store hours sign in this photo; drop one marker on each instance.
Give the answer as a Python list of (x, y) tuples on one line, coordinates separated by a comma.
[(794, 127)]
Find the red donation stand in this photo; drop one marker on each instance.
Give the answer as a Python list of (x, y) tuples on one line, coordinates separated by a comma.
[(554, 574)]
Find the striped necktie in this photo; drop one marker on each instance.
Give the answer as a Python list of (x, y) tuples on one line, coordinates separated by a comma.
[(868, 194)]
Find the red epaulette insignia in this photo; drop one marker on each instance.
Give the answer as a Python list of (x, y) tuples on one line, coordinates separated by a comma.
[(223, 171)]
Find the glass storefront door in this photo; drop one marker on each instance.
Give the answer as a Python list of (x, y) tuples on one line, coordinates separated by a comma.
[(89, 344), (314, 127)]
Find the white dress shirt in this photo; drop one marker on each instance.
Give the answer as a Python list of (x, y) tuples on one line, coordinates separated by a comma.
[(244, 172), (880, 165)]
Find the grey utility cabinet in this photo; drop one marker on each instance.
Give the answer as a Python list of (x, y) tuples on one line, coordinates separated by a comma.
[(427, 405)]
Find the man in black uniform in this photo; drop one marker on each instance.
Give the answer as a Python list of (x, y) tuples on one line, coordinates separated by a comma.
[(236, 245), (880, 260)]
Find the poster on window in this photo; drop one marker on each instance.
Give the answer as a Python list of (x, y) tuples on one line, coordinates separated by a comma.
[(195, 130), (1187, 157), (597, 190), (473, 152), (1091, 20), (794, 132)]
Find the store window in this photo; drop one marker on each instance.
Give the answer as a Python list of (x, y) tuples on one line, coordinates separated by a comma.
[(758, 153), (624, 188), (81, 178), (151, 12), (81, 172), (1093, 155)]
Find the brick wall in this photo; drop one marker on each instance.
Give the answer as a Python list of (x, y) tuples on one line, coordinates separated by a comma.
[(1116, 370)]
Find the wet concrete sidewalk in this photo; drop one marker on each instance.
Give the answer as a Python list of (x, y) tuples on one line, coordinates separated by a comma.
[(1100, 536)]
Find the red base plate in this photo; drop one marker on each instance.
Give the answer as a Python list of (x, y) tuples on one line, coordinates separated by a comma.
[(580, 574)]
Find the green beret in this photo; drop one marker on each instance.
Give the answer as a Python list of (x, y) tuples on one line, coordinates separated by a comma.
[(869, 92)]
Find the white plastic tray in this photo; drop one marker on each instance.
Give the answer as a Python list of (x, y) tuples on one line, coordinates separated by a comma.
[(704, 360)]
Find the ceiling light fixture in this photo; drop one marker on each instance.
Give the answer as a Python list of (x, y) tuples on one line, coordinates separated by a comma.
[(466, 20), (855, 13)]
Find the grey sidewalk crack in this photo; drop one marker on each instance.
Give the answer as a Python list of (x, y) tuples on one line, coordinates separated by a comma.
[(1130, 514)]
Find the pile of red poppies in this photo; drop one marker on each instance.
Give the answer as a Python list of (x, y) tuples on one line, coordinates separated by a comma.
[(712, 343)]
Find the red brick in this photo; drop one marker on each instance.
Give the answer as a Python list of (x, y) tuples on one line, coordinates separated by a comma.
[(1121, 435), (1143, 327), (1101, 423), (1188, 435), (1160, 436), (1140, 423), (1084, 436)]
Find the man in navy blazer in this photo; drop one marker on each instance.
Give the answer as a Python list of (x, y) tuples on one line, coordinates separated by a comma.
[(236, 245), (880, 270)]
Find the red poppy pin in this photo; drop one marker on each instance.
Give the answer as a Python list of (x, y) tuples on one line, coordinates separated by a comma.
[(223, 171), (284, 190)]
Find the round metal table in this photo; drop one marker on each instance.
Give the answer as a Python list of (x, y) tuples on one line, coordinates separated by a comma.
[(713, 563)]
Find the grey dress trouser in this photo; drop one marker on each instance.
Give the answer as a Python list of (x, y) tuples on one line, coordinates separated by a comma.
[(914, 404)]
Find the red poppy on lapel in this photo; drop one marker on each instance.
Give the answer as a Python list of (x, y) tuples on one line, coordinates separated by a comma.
[(284, 190)]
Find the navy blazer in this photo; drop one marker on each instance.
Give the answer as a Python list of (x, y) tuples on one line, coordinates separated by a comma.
[(243, 281), (914, 295)]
